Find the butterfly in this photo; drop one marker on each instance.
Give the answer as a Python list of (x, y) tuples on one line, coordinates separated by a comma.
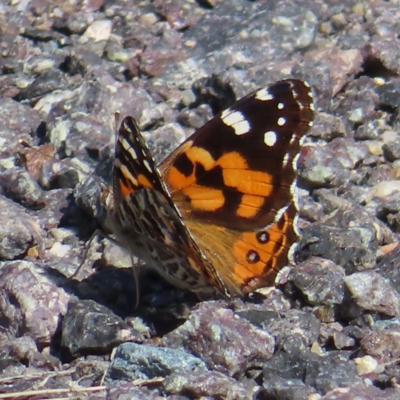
[(219, 215)]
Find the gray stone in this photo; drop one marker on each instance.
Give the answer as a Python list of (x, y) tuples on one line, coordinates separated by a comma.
[(133, 361)]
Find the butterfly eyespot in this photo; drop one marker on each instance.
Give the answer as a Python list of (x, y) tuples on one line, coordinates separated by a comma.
[(252, 257), (262, 237)]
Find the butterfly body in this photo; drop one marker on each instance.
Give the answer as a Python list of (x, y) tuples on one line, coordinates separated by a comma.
[(219, 214)]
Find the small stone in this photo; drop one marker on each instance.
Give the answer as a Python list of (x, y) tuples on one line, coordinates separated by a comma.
[(59, 250), (139, 361), (342, 341), (365, 365), (188, 97), (382, 344), (38, 302), (383, 189), (223, 340), (215, 384), (339, 20), (391, 150), (320, 281), (374, 147), (99, 30), (356, 116), (389, 136), (91, 327), (148, 19), (372, 292)]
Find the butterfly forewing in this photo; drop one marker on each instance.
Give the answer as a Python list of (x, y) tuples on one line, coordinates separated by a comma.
[(239, 168), (134, 168)]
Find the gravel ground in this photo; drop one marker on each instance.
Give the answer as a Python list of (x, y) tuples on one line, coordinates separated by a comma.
[(330, 329)]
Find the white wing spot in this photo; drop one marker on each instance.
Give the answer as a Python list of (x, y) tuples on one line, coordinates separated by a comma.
[(280, 213), (296, 225), (280, 106), (281, 121), (295, 160), (147, 165), (128, 175), (236, 120), (291, 252), (270, 138), (294, 190), (264, 95), (286, 159), (127, 147), (123, 142), (132, 152)]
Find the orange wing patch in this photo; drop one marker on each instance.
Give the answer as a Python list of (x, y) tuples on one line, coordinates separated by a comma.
[(232, 159), (249, 206), (195, 155), (204, 198), (144, 182), (256, 183)]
